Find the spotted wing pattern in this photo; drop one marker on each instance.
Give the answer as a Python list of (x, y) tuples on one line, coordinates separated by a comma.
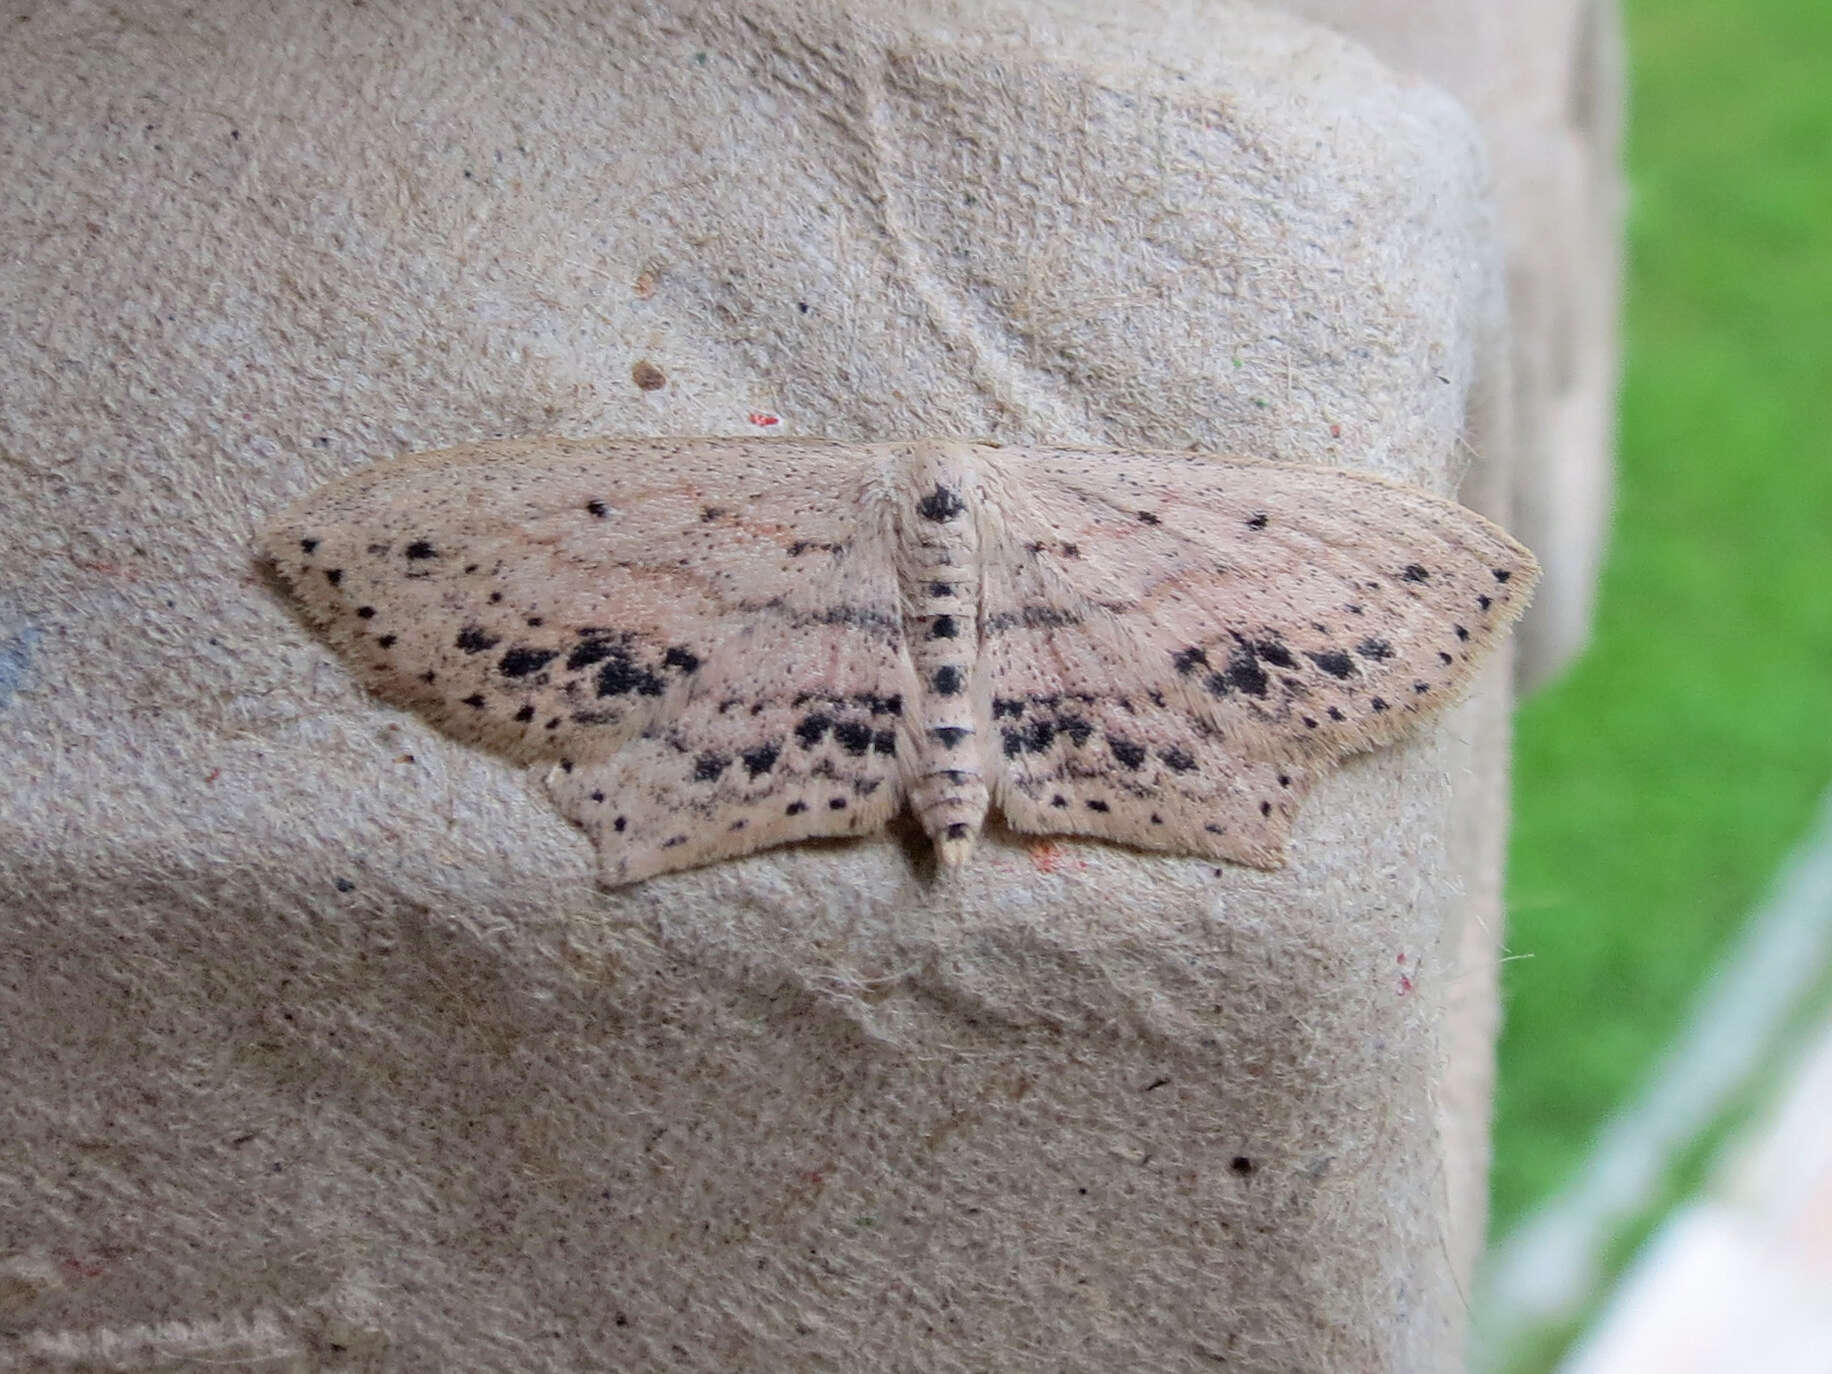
[(706, 648), (708, 641), (1176, 646)]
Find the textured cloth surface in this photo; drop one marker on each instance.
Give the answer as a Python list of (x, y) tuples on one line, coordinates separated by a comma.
[(322, 1049), (1544, 82)]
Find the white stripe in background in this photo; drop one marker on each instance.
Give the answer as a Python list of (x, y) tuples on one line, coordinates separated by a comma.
[(1546, 1269)]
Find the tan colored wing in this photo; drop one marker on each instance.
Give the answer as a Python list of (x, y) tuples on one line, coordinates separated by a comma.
[(697, 634), (1177, 646), (703, 788)]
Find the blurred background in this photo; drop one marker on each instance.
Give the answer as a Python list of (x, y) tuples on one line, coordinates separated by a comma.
[(1671, 874)]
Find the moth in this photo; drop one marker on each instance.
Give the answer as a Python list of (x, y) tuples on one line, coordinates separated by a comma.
[(721, 645)]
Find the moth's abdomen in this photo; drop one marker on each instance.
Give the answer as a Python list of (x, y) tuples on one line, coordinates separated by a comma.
[(939, 545)]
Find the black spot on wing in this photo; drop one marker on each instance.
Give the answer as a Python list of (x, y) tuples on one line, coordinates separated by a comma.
[(762, 759), (620, 675), (1129, 754), (1274, 653), (1415, 572), (1378, 649), (522, 660), (853, 737), (420, 549), (474, 639), (1244, 673), (1334, 662), (948, 680), (708, 767), (590, 650)]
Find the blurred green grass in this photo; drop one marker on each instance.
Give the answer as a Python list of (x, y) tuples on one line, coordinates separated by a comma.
[(1661, 783)]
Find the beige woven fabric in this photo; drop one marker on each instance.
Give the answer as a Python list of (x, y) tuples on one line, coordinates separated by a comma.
[(1545, 83), (321, 1048)]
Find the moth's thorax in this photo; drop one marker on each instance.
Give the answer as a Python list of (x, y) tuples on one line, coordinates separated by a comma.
[(938, 539)]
